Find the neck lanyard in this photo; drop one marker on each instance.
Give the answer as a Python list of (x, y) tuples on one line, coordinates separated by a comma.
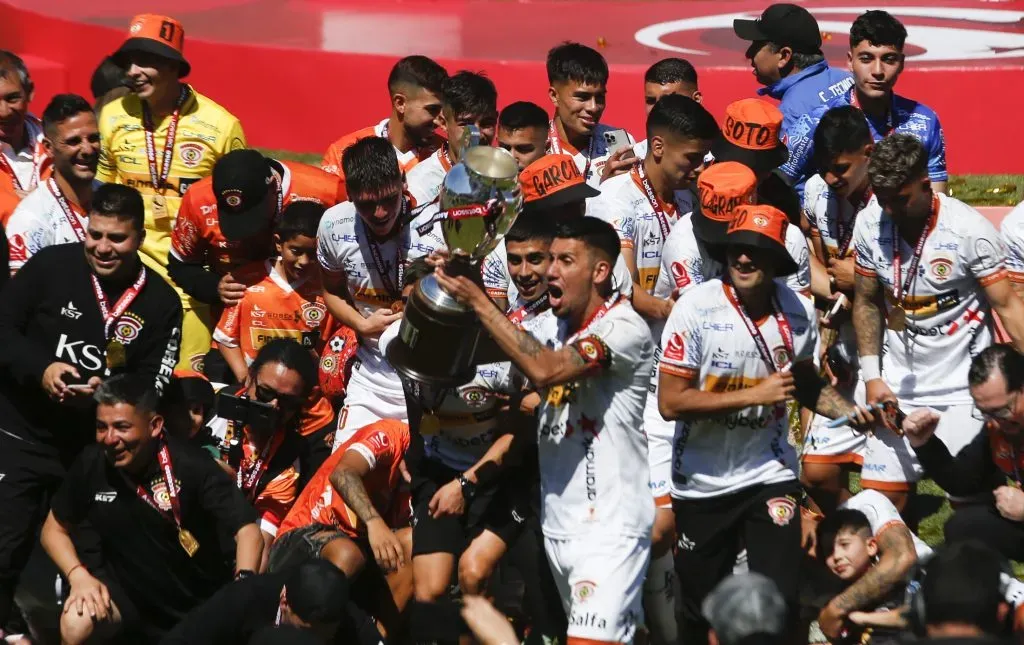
[(890, 116), (556, 147), (899, 286), (185, 538), (110, 316), (846, 232), (393, 287), (597, 315), (247, 478), (65, 207), (8, 169), (640, 176), (159, 175), (529, 309), (446, 159), (762, 346)]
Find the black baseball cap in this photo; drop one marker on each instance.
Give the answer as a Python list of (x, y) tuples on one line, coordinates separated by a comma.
[(784, 24), (244, 187)]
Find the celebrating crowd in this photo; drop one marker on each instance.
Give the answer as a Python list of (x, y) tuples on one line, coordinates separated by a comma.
[(694, 340)]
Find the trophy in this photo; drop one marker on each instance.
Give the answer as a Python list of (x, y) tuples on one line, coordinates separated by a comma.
[(438, 337)]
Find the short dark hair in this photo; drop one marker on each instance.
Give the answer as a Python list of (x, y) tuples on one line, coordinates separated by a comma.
[(130, 389), (299, 218), (801, 60), (287, 352), (841, 129), (107, 76), (1005, 358), (417, 71), (317, 591), (879, 28), (11, 62), (61, 108), (897, 160), (470, 94), (528, 227), (577, 63), (595, 233), (845, 519), (122, 202), (962, 584), (417, 270), (671, 70), (683, 117), (370, 166), (522, 114)]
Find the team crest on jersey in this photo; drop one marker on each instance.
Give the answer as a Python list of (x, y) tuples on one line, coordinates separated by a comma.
[(160, 496), (127, 328), (941, 268), (593, 350), (197, 362), (191, 154), (782, 510), (475, 397), (583, 590), (313, 313), (781, 357), (676, 348)]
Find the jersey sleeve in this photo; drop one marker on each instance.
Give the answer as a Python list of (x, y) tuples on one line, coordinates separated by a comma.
[(221, 498), (983, 252), (187, 244), (1012, 233), (617, 344), (680, 270), (681, 340), (621, 279), (379, 446), (70, 504), (106, 171), (796, 244), (326, 250), (331, 161), (229, 326), (27, 234), (804, 326), (276, 499), (606, 207), (234, 139), (813, 191), (864, 262), (877, 508), (800, 141), (937, 153)]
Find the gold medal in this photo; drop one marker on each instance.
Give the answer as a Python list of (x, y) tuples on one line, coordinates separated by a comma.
[(188, 541), (160, 207), (556, 395), (117, 356), (897, 318), (430, 425)]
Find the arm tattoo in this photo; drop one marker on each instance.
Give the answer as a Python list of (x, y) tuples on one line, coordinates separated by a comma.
[(503, 330), (896, 547), (867, 315), (831, 404), (350, 486)]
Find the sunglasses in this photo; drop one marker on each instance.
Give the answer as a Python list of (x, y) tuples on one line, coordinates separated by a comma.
[(266, 394)]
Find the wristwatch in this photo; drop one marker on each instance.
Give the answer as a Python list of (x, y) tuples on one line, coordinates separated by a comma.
[(468, 487), (244, 573)]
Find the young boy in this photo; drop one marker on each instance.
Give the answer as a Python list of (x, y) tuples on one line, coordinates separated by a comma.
[(523, 131), (283, 296)]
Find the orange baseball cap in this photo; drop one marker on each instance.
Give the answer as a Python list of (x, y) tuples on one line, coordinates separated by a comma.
[(154, 34), (553, 180), (763, 227), (722, 189), (752, 135)]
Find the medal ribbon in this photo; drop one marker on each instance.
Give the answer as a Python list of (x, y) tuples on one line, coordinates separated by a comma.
[(65, 206), (556, 147), (110, 316), (446, 159), (247, 478), (890, 124), (164, 457), (846, 233), (519, 315), (597, 315), (652, 199), (6, 168), (762, 346), (899, 286), (159, 176), (378, 259)]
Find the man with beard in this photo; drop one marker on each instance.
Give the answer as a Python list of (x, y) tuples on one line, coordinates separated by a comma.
[(57, 211)]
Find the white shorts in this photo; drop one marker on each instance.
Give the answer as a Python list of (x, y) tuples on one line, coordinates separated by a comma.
[(890, 463), (600, 581), (660, 434), (842, 445), (363, 407)]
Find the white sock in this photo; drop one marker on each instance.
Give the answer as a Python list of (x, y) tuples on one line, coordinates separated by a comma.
[(661, 589)]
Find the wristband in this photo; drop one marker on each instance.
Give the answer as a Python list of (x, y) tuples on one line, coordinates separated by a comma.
[(67, 576), (244, 573), (870, 368)]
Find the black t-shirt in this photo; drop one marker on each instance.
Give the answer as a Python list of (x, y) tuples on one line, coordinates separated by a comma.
[(48, 313), (139, 545)]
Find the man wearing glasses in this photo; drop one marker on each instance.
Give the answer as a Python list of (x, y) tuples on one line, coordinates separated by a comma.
[(996, 454)]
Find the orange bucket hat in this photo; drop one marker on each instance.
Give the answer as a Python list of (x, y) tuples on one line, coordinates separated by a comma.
[(553, 180), (752, 135), (722, 189), (763, 227), (154, 34)]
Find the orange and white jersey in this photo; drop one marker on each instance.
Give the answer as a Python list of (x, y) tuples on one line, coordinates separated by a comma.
[(1012, 231), (406, 160), (948, 319), (25, 169), (272, 308), (592, 158), (39, 222), (882, 514), (706, 341), (426, 178)]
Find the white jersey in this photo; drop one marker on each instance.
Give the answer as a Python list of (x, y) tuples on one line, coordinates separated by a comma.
[(593, 453), (39, 222), (706, 339), (343, 247), (590, 160), (25, 163), (1012, 231), (426, 177), (882, 514), (948, 319), (640, 149)]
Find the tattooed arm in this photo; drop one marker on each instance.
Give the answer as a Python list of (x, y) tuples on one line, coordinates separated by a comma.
[(815, 394), (347, 479), (897, 557), (867, 314)]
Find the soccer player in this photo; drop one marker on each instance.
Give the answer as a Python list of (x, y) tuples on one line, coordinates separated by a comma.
[(1012, 232), (578, 79), (726, 379), (416, 88), (364, 246), (523, 131), (667, 76), (832, 199), (587, 356), (24, 162), (644, 204), (56, 212), (876, 60), (528, 258), (938, 267), (470, 99), (161, 139)]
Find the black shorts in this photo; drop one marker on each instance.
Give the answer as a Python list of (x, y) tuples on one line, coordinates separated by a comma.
[(134, 628), (303, 544)]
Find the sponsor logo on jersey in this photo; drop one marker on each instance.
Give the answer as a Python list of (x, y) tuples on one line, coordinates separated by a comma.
[(70, 311), (782, 510), (106, 496), (587, 619), (583, 590), (379, 441), (676, 349), (680, 275), (79, 353)]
